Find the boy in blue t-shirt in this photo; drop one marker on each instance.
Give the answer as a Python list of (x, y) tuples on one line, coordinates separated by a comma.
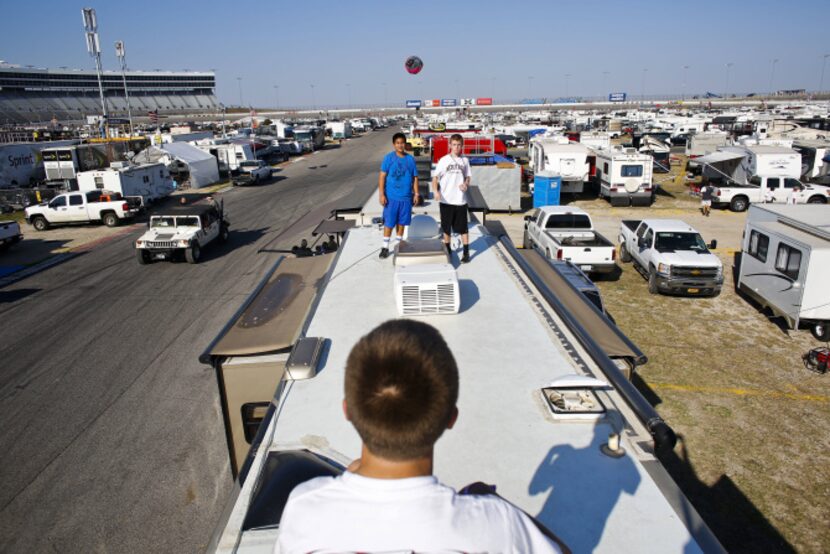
[(397, 186)]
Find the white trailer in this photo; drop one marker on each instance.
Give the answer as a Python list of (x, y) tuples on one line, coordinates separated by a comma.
[(151, 182), (785, 261), (623, 176), (595, 139), (229, 156), (700, 144), (766, 160), (570, 160), (340, 129), (813, 153)]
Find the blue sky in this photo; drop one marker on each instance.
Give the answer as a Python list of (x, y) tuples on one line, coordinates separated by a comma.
[(469, 49)]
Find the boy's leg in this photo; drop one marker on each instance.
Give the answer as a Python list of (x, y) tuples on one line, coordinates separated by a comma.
[(461, 226), (446, 225), (389, 221)]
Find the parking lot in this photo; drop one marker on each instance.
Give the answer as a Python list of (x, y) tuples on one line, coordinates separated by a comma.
[(753, 421)]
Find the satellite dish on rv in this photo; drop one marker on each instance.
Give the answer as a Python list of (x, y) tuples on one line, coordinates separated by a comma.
[(413, 65)]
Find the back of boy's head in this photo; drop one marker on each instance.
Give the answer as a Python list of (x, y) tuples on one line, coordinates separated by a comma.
[(401, 389), (397, 136)]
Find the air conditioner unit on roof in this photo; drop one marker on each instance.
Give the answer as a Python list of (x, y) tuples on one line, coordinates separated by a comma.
[(427, 289)]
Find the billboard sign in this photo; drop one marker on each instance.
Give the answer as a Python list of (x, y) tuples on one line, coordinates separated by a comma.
[(467, 101), (617, 97), (449, 102), (431, 103), (413, 103), (484, 101)]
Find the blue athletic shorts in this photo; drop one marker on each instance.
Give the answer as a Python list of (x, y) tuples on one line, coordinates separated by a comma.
[(397, 212)]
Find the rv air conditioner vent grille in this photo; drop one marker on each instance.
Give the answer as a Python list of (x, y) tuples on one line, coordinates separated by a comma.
[(427, 289)]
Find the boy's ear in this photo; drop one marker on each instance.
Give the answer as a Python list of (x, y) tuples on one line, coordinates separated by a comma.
[(453, 418), (346, 410)]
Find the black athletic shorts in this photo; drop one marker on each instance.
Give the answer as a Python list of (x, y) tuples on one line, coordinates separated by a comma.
[(454, 219)]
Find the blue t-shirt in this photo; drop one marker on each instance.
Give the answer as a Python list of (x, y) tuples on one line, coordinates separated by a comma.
[(400, 174)]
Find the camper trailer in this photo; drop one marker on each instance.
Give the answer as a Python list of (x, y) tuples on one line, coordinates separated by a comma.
[(659, 151), (571, 160), (785, 260), (151, 182), (340, 129), (623, 176), (699, 144), (229, 156), (63, 164), (813, 166)]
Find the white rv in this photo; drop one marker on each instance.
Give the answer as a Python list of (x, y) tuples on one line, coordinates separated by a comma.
[(340, 129), (595, 139), (229, 156), (151, 182), (785, 261), (813, 153), (570, 160), (623, 176), (699, 144)]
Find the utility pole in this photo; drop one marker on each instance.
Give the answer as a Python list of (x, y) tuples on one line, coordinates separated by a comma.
[(685, 80), (313, 102), (121, 53), (223, 120), (726, 92), (643, 87), (772, 74), (93, 46), (239, 81)]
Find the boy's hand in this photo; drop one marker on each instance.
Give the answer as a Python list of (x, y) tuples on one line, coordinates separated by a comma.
[(437, 196), (382, 199)]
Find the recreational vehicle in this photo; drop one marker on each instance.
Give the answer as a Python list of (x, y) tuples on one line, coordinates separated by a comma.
[(571, 160), (623, 176), (785, 260), (700, 144), (151, 182)]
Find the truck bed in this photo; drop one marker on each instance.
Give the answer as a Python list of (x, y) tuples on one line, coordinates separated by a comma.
[(595, 240)]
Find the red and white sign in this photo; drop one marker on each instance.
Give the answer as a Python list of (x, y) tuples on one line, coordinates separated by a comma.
[(484, 101)]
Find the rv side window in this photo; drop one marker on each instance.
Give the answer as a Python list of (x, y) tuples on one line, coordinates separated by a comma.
[(631, 171), (788, 261), (146, 179), (605, 168), (758, 245), (99, 182)]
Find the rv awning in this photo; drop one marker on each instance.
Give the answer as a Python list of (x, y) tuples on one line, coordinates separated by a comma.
[(719, 156)]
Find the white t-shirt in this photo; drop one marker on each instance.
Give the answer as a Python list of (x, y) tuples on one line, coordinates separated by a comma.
[(451, 173), (352, 513)]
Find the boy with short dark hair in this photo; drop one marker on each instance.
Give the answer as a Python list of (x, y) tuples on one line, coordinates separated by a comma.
[(397, 187), (401, 389), (449, 187)]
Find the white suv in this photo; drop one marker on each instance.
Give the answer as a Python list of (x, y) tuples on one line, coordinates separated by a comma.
[(182, 231)]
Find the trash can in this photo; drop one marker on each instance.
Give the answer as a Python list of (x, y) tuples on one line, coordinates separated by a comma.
[(547, 188)]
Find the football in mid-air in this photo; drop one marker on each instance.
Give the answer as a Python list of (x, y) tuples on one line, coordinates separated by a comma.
[(413, 65)]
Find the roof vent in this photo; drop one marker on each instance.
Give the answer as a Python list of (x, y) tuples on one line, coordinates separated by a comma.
[(573, 397), (427, 289)]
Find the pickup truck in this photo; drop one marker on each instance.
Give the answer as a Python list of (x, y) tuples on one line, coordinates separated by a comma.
[(567, 233), (79, 207), (182, 231), (672, 256), (252, 172), (9, 233), (779, 190)]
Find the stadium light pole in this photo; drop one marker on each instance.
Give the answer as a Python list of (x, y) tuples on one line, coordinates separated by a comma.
[(349, 95), (277, 96), (223, 120), (239, 81), (93, 46), (643, 86), (821, 82), (604, 84), (493, 88), (385, 94), (121, 54), (685, 80), (313, 101)]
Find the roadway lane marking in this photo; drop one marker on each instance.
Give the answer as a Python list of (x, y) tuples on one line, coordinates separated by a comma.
[(742, 392)]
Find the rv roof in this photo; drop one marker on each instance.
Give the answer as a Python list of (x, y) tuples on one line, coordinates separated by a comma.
[(507, 349), (816, 216)]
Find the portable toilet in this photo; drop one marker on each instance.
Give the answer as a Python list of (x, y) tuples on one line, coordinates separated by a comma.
[(547, 188)]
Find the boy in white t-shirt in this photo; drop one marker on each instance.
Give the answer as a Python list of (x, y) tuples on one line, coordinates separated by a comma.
[(449, 187), (401, 388)]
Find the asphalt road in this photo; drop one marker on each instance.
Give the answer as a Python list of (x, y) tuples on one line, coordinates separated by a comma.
[(112, 437)]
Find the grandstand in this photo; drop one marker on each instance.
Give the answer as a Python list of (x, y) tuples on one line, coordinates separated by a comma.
[(33, 95)]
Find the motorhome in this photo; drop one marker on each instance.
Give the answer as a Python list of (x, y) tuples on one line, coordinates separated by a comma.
[(624, 176), (311, 138), (340, 129), (813, 154), (229, 155), (785, 260), (699, 144), (659, 151), (571, 160), (151, 182), (595, 139), (576, 442)]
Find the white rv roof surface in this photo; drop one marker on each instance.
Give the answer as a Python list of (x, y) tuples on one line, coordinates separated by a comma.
[(505, 434), (767, 149), (816, 215)]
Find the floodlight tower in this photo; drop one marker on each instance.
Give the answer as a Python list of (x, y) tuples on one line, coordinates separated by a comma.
[(94, 49), (121, 53)]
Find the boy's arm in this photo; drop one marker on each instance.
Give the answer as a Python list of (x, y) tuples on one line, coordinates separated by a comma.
[(435, 193), (468, 174), (415, 190), (382, 188)]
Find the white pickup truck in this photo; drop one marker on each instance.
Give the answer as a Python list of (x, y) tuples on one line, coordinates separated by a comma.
[(672, 256), (252, 172), (778, 190), (567, 233), (9, 233), (79, 207)]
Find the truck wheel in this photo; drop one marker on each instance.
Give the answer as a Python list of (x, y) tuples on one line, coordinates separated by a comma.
[(817, 200), (821, 331), (525, 244), (223, 233), (739, 204), (142, 256), (192, 254), (652, 282), (40, 224), (110, 219), (625, 257)]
